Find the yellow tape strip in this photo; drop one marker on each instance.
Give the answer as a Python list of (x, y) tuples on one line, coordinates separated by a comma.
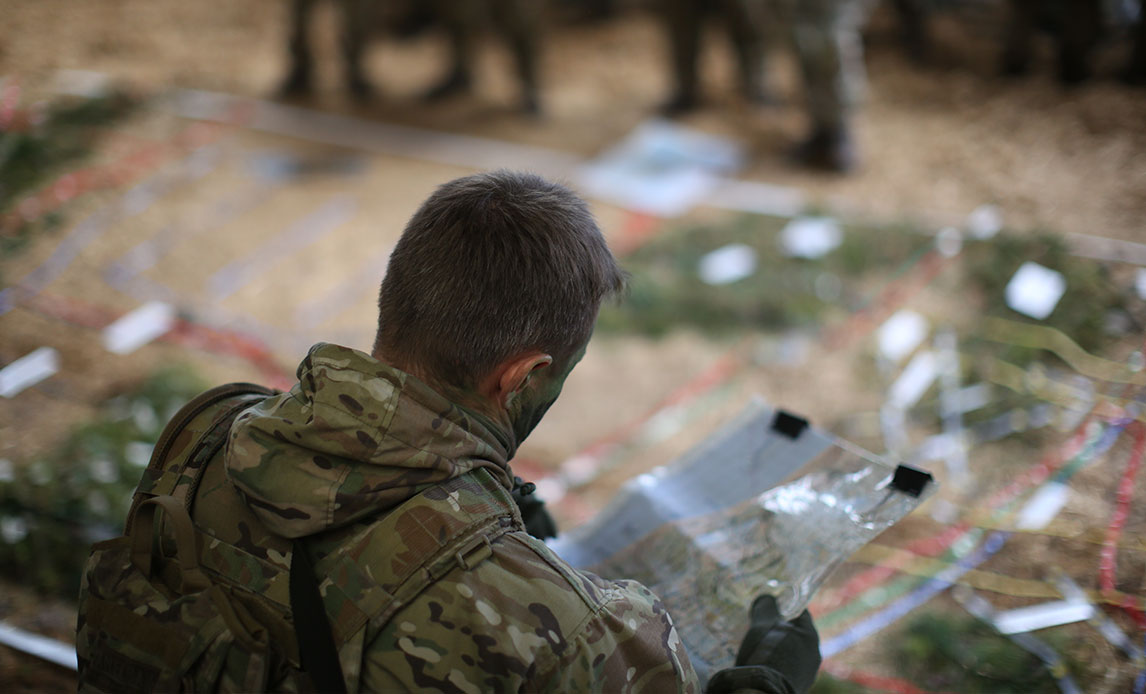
[(1043, 337), (1066, 529), (927, 567), (1042, 387)]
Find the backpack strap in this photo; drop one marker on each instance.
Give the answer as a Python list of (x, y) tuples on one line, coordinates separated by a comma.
[(171, 481), (375, 571), (202, 424), (316, 649)]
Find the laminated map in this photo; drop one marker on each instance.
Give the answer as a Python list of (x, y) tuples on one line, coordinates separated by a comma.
[(767, 505)]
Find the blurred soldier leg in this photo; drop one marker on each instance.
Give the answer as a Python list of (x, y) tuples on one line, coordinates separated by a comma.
[(1135, 72), (355, 30), (747, 20), (518, 20), (684, 20), (299, 79), (1076, 30), (826, 37), (1077, 37), (913, 16)]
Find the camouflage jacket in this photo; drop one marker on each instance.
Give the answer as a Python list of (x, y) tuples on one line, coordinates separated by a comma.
[(374, 468)]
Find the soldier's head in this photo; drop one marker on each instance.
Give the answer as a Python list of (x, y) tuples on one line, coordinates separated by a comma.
[(493, 290)]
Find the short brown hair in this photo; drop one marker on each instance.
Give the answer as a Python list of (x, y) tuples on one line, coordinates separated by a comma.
[(491, 266)]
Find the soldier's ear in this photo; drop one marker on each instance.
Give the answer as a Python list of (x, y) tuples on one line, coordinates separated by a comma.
[(514, 373)]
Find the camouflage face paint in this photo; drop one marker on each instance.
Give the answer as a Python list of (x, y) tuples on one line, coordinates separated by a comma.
[(538, 395)]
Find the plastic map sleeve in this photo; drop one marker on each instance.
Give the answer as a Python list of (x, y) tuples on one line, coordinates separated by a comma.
[(767, 505)]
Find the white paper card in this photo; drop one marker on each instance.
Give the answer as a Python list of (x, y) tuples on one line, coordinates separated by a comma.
[(1043, 506), (1048, 614), (984, 222), (28, 370), (728, 264), (920, 373), (901, 334), (137, 328), (966, 399), (1035, 290), (811, 237), (58, 652), (1140, 283), (661, 168)]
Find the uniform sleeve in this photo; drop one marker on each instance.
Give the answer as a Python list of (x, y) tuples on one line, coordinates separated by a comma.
[(628, 645)]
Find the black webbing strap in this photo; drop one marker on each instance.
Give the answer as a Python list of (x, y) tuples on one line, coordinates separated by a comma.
[(311, 627)]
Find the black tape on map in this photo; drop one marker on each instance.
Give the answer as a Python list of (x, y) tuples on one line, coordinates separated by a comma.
[(789, 424), (910, 480)]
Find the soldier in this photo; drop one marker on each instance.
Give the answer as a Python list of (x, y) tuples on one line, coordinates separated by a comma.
[(1077, 26), (520, 22), (390, 473), (355, 28), (684, 20), (826, 37)]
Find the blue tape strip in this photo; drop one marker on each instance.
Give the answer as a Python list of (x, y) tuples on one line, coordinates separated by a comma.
[(135, 201), (1140, 680), (896, 610), (312, 313), (236, 274)]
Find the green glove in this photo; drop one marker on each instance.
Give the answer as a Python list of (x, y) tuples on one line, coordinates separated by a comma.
[(538, 522), (791, 649)]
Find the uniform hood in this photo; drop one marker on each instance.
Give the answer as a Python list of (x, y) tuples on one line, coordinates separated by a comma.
[(353, 438)]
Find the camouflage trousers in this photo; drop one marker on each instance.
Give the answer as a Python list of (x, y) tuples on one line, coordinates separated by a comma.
[(746, 21), (826, 38), (824, 34), (519, 21)]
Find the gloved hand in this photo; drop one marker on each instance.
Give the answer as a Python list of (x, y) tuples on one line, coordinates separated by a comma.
[(538, 522), (790, 649)]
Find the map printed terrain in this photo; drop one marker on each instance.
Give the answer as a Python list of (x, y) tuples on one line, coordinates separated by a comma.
[(768, 505)]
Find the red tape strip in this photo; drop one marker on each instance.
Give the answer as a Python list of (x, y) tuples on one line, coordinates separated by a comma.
[(1108, 558), (185, 333)]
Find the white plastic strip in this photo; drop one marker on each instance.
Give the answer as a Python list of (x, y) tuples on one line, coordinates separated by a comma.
[(1043, 506), (1042, 616), (138, 327), (920, 373), (28, 370), (53, 651)]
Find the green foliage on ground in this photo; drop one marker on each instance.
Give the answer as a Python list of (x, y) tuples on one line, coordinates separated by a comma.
[(960, 653), (31, 154), (52, 509), (826, 684), (1091, 297), (666, 291)]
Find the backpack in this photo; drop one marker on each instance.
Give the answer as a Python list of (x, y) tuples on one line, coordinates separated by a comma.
[(153, 614), (174, 605)]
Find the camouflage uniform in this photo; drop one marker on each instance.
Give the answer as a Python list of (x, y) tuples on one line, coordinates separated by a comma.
[(825, 35), (826, 38), (377, 471)]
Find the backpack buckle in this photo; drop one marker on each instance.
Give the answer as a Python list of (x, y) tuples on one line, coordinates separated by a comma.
[(475, 552)]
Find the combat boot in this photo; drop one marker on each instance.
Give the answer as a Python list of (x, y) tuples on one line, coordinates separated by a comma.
[(679, 104), (828, 149), (456, 82)]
